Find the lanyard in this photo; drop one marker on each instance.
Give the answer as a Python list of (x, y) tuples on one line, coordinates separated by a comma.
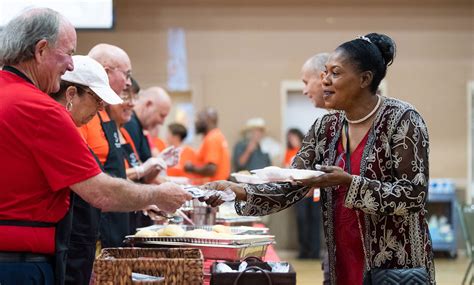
[(348, 147)]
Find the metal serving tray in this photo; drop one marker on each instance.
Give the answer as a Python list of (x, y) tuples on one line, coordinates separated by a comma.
[(239, 230), (235, 240), (216, 251), (238, 219)]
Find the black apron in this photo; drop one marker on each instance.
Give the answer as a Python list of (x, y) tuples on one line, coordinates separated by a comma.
[(84, 235), (63, 226), (61, 240), (114, 226), (137, 219)]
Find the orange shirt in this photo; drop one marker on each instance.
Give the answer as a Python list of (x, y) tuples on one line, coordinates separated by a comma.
[(187, 154), (290, 153), (214, 149), (159, 144), (94, 135)]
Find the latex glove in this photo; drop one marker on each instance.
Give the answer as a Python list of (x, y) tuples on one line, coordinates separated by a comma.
[(152, 164), (170, 155)]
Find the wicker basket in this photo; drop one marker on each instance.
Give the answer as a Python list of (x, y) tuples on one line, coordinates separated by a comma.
[(179, 266)]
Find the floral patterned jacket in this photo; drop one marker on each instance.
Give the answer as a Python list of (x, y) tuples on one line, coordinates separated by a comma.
[(390, 193)]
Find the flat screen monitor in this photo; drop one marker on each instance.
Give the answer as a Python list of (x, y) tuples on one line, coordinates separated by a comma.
[(83, 14)]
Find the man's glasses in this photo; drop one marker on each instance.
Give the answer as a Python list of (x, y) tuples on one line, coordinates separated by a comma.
[(127, 74), (128, 96)]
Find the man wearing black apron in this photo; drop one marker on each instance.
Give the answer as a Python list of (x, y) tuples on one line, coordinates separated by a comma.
[(113, 226), (90, 224), (137, 219)]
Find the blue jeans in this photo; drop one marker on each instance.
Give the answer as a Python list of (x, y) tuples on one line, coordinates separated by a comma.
[(26, 273)]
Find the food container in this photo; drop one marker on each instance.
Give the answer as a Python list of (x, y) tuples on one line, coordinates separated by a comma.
[(200, 213), (179, 266), (234, 230), (229, 248), (217, 251), (262, 277)]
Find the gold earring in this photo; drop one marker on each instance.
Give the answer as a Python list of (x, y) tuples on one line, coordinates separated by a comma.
[(69, 106)]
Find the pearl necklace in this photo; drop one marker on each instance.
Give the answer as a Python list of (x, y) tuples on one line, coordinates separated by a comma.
[(368, 115)]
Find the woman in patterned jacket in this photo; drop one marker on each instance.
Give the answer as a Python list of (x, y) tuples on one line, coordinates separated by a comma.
[(374, 195)]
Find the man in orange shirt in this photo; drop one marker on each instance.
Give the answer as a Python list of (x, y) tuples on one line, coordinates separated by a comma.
[(175, 137), (213, 161)]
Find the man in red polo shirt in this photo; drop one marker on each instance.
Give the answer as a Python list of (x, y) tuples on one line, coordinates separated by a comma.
[(44, 157)]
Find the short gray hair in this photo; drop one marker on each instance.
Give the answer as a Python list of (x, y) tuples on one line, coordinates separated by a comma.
[(316, 63), (19, 37)]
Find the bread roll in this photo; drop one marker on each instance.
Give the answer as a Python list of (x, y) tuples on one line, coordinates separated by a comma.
[(173, 231), (221, 229), (146, 233)]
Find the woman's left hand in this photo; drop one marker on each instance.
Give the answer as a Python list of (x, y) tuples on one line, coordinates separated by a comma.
[(333, 176)]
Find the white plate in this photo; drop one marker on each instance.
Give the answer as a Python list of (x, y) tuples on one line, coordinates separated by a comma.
[(271, 173), (274, 174), (298, 174), (250, 179)]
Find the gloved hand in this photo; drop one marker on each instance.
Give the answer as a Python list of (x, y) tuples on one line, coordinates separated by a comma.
[(170, 155), (153, 163)]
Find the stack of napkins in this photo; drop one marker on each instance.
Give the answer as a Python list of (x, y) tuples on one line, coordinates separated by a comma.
[(226, 195)]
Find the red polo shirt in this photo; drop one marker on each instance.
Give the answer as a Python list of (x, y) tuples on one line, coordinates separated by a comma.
[(41, 155)]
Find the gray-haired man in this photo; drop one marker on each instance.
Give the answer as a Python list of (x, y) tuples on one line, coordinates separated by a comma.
[(44, 157)]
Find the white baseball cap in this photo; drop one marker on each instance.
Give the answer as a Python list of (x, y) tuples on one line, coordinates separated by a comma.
[(88, 72), (255, 123)]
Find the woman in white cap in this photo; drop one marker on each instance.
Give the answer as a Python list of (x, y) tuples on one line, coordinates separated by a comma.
[(83, 92)]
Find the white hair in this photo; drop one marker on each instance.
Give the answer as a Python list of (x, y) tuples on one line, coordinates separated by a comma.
[(19, 37), (316, 63)]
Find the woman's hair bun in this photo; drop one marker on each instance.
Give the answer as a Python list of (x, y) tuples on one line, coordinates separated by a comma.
[(386, 46)]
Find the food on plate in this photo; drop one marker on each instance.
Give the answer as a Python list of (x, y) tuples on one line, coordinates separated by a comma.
[(160, 232), (221, 229), (172, 231), (146, 233), (199, 233), (223, 235)]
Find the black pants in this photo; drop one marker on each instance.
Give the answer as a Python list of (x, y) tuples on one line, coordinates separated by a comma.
[(308, 215), (26, 273), (80, 260)]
